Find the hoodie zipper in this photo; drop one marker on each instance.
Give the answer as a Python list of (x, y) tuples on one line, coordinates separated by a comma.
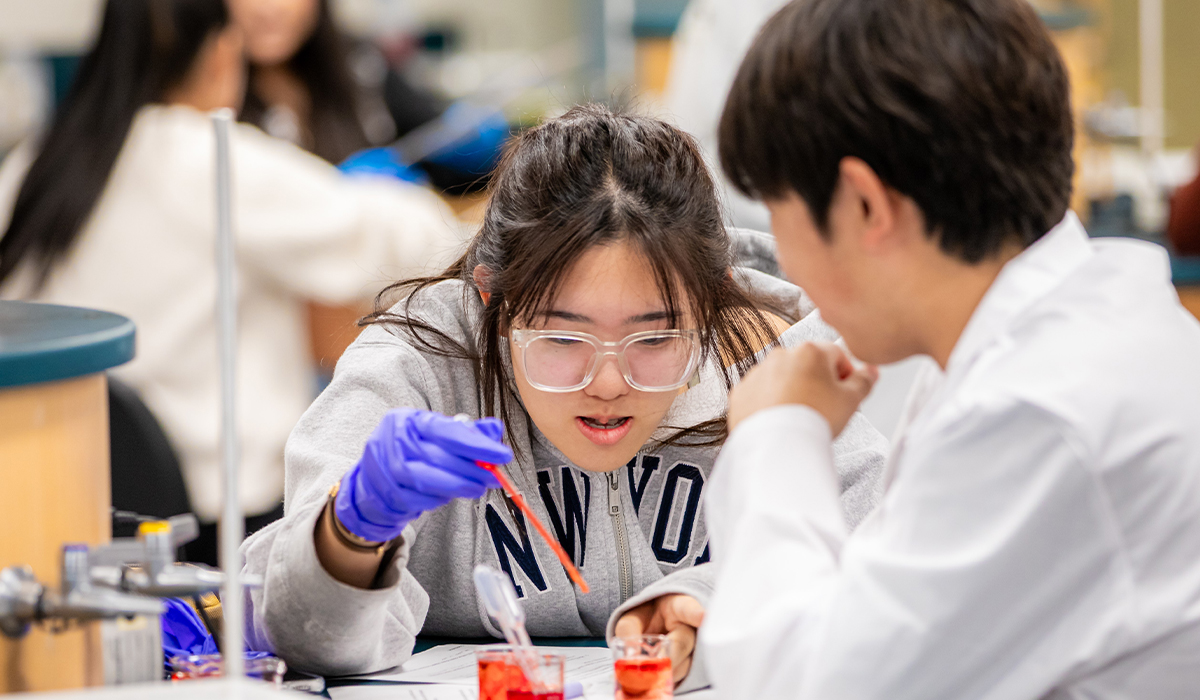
[(614, 511)]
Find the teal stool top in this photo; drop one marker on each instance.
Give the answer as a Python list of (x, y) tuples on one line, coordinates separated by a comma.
[(46, 343)]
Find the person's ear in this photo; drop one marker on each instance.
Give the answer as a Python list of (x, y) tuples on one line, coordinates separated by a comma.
[(482, 277), (868, 206)]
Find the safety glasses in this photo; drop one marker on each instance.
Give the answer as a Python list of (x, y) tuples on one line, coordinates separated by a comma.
[(563, 361)]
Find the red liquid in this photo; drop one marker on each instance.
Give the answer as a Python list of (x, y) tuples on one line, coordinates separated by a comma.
[(503, 681), (496, 677), (644, 679)]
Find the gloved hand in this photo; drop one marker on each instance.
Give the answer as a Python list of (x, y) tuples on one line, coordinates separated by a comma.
[(382, 161), (477, 152), (183, 632), (416, 461), (184, 635)]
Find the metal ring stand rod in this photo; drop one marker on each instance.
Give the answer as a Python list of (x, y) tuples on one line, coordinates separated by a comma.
[(232, 522)]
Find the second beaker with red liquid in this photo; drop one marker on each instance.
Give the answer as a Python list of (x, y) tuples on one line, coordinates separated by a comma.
[(642, 667)]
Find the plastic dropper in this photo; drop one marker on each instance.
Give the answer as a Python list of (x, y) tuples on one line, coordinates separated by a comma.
[(519, 500), (500, 600)]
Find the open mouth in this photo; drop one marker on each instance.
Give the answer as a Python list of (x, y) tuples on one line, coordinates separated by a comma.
[(604, 430), (610, 424)]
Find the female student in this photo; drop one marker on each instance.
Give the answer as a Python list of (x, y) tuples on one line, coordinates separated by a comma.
[(601, 279), (116, 211), (310, 84)]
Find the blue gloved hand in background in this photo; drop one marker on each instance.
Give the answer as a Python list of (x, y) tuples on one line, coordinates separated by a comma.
[(382, 161), (183, 632), (480, 150), (416, 461)]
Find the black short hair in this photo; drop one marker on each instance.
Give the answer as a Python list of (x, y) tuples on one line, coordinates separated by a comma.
[(962, 105)]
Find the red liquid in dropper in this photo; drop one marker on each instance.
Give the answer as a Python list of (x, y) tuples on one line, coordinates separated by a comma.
[(517, 498)]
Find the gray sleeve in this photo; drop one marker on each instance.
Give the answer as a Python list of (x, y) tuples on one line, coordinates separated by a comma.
[(319, 624), (859, 455), (696, 581), (755, 250), (309, 619)]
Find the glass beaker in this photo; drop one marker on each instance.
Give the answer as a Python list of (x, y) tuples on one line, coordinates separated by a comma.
[(501, 677), (642, 667)]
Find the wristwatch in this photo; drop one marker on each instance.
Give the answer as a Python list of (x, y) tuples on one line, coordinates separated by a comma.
[(348, 538)]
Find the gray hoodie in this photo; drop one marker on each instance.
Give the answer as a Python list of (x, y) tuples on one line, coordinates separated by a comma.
[(635, 533)]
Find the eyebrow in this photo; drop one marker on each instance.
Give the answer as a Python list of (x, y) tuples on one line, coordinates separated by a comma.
[(580, 318)]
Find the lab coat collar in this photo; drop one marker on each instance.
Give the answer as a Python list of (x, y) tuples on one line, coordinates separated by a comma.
[(1027, 278)]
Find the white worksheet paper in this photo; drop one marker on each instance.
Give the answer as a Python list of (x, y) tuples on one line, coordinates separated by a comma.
[(455, 664), (404, 692), (460, 692)]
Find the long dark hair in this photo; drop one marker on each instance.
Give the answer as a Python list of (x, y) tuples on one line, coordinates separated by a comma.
[(145, 48), (588, 178), (322, 64)]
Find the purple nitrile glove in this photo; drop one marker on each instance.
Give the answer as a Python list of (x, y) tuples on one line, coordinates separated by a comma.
[(183, 632), (417, 461)]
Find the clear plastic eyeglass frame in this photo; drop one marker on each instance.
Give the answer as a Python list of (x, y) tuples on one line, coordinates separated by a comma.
[(522, 338)]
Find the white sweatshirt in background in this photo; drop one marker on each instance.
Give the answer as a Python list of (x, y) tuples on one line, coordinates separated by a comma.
[(304, 232)]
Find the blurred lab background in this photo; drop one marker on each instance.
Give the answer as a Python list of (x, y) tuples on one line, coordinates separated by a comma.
[(448, 80)]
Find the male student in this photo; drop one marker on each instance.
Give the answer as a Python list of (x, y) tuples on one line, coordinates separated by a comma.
[(1040, 532)]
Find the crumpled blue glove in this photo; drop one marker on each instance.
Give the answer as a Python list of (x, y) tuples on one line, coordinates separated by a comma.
[(382, 161), (183, 632), (417, 461)]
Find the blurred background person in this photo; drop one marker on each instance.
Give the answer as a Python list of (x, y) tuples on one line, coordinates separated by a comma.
[(312, 85), (342, 97), (113, 207), (713, 36)]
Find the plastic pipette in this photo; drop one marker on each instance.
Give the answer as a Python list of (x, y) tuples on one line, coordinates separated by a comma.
[(500, 600), (519, 500)]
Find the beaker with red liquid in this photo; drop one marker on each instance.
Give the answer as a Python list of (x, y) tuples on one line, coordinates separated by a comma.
[(642, 667), (501, 677)]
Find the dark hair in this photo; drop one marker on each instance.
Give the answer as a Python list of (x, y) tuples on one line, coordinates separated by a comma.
[(588, 178), (962, 105), (145, 48), (322, 64)]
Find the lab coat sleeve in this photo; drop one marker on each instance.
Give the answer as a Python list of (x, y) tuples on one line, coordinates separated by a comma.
[(992, 551), (326, 236), (859, 455)]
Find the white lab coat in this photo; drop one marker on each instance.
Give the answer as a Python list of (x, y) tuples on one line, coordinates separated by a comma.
[(1040, 532), (304, 231)]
